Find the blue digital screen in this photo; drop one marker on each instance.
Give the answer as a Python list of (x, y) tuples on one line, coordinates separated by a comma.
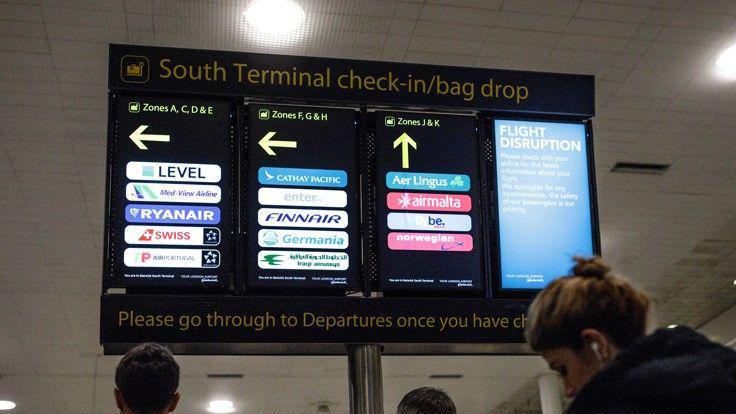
[(543, 200)]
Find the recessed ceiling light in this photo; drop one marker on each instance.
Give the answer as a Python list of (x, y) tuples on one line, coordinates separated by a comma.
[(672, 326), (221, 406), (275, 16), (726, 63), (6, 405)]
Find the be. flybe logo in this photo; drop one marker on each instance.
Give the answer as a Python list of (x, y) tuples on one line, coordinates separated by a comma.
[(287, 217), (171, 214), (428, 222), (173, 193), (172, 235), (169, 171)]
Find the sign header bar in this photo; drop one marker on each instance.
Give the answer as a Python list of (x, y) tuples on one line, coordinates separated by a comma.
[(143, 68)]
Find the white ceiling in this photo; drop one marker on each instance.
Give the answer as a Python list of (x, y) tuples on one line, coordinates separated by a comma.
[(657, 101)]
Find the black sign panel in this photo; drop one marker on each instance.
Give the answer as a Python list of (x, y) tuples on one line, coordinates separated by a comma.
[(427, 175), (348, 81), (270, 320), (301, 203), (171, 200)]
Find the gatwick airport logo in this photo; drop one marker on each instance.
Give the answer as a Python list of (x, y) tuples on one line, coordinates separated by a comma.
[(285, 217), (428, 202), (303, 239), (172, 235), (173, 193), (430, 242), (171, 214), (301, 260), (302, 177), (174, 258), (167, 171), (437, 222), (302, 197)]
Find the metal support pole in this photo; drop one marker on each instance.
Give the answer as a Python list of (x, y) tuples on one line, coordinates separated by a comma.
[(550, 394), (366, 382)]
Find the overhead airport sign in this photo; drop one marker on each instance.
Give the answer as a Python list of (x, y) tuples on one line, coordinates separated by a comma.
[(301, 209), (171, 200), (338, 80)]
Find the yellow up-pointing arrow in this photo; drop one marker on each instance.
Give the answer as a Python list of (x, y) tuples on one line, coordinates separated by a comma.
[(138, 137), (405, 140), (266, 143)]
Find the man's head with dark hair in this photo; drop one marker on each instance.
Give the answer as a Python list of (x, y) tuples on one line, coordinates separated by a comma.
[(426, 400), (146, 380)]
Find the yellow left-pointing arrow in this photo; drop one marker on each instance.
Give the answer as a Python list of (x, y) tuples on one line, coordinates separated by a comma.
[(266, 143), (138, 137)]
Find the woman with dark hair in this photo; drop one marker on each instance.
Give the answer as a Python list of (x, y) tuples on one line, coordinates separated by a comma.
[(591, 328)]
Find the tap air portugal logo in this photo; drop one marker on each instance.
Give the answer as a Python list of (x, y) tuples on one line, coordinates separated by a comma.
[(174, 258), (173, 193), (166, 171), (285, 217), (172, 235)]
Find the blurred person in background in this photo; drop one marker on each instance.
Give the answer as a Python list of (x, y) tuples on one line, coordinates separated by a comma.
[(426, 400), (146, 381), (591, 327)]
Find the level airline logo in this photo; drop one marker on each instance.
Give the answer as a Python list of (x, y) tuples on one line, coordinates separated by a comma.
[(173, 193), (302, 197), (172, 235), (303, 239), (302, 177), (428, 202), (166, 171), (287, 217), (178, 258), (429, 222), (427, 181), (171, 214), (301, 260), (442, 242)]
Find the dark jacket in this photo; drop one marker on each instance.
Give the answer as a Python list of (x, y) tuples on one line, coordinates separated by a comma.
[(672, 371)]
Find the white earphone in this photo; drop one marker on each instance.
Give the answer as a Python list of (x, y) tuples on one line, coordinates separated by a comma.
[(596, 350)]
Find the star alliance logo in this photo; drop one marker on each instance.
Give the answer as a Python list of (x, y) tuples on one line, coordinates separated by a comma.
[(210, 258)]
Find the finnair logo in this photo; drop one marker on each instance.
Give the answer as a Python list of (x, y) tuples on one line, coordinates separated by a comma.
[(284, 217)]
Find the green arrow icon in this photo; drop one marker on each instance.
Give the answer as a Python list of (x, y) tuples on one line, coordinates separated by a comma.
[(405, 140), (266, 143)]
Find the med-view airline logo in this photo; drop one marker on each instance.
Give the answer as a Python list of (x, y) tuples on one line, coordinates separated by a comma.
[(191, 236), (302, 197), (428, 202), (303, 239), (287, 217), (302, 177), (179, 258), (169, 171), (171, 214), (173, 193), (439, 242), (428, 222)]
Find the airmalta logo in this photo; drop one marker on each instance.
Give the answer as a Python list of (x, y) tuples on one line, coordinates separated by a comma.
[(428, 202)]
